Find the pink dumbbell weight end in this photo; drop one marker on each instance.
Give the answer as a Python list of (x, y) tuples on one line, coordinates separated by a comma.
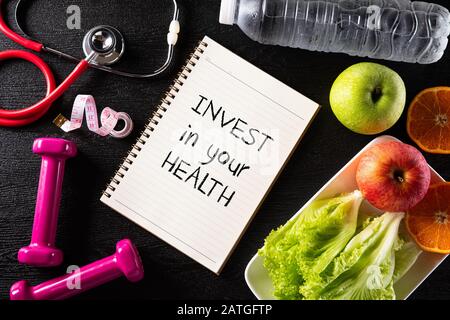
[(125, 262), (42, 251)]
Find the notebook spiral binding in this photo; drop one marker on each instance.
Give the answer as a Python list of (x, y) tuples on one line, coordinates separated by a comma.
[(156, 116)]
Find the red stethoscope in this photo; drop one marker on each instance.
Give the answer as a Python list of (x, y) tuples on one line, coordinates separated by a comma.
[(102, 45)]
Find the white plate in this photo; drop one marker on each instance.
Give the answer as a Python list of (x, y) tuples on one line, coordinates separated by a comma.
[(344, 181)]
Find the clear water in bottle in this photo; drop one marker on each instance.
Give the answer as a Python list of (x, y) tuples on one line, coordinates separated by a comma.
[(398, 30)]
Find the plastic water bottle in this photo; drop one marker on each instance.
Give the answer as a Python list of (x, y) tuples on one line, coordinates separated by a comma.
[(398, 30)]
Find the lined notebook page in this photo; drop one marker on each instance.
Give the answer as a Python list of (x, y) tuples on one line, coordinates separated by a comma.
[(213, 156)]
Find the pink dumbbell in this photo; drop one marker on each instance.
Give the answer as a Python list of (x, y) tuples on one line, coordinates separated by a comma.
[(125, 262), (42, 251)]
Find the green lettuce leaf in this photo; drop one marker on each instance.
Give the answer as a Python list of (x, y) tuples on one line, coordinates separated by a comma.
[(305, 246), (326, 230), (365, 268), (405, 257), (279, 254)]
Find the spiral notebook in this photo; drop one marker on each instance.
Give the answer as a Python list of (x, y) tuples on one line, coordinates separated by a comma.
[(209, 154)]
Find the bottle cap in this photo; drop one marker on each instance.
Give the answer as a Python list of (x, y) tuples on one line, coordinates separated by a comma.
[(227, 11)]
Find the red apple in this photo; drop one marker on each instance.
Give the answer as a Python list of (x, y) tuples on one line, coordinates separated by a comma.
[(393, 176)]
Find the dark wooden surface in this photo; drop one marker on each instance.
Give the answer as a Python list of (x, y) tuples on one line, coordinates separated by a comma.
[(88, 230)]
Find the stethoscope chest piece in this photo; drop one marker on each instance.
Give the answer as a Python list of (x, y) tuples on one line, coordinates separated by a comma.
[(104, 44)]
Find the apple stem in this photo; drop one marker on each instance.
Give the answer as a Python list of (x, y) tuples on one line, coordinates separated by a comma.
[(398, 175)]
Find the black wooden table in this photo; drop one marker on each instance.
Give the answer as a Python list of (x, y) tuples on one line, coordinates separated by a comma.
[(88, 230)]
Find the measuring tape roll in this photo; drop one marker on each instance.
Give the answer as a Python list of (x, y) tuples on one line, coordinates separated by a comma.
[(85, 104)]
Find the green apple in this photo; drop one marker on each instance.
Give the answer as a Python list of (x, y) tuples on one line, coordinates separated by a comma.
[(368, 98)]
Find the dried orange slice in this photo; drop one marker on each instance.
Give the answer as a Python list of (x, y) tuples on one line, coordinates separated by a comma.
[(428, 121), (429, 221)]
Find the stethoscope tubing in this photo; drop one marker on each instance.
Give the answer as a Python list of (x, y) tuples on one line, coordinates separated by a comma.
[(24, 42), (25, 116)]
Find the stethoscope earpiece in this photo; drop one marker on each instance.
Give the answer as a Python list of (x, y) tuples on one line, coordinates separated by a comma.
[(103, 45)]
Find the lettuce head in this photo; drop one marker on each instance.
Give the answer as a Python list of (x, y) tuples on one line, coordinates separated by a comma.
[(306, 245)]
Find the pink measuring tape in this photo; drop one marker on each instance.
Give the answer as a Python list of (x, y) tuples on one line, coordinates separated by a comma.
[(108, 118)]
